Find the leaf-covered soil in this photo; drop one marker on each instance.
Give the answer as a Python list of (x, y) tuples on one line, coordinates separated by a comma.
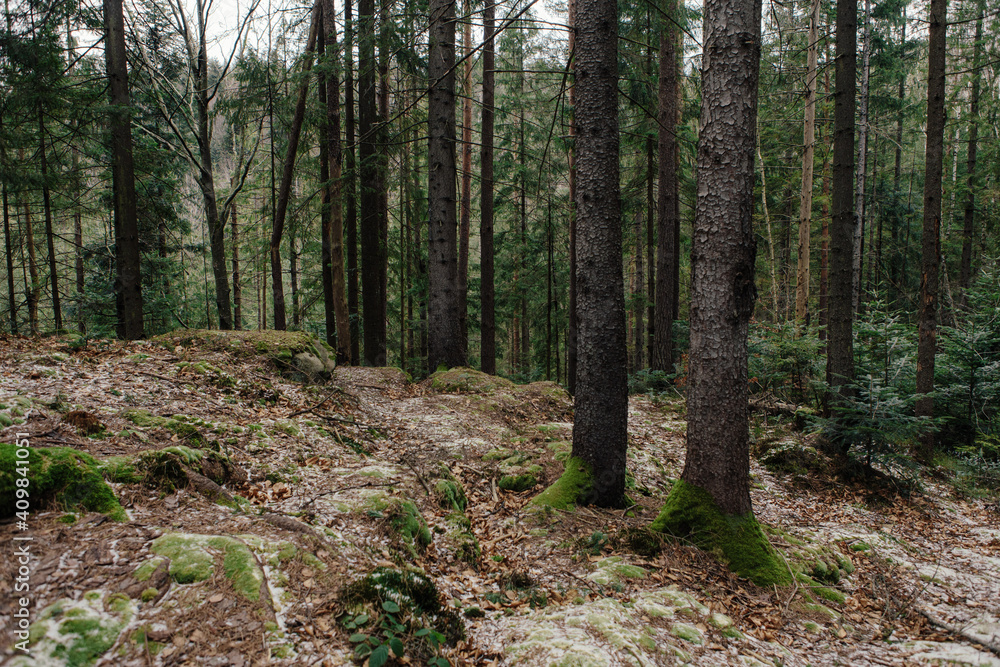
[(314, 485)]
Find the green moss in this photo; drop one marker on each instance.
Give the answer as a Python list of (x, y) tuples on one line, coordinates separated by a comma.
[(692, 513), (409, 524), (148, 594), (76, 632), (68, 518), (143, 418), (572, 487), (145, 571), (58, 476), (518, 483), (191, 560), (464, 380), (560, 449), (5, 420), (120, 470), (287, 427), (451, 495), (688, 633)]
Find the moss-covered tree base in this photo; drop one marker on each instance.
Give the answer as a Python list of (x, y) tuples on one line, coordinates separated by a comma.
[(691, 512), (572, 488)]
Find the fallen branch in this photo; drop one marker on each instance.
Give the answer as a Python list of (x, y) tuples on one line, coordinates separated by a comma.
[(961, 632)]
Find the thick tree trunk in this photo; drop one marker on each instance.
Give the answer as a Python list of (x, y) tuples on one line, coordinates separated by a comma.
[(571, 329), (350, 182), (444, 334), (723, 254), (968, 228), (32, 290), (287, 172), (599, 431), (650, 249), (373, 249), (840, 329), (861, 172), (128, 282), (931, 243), (808, 153), (487, 315), (466, 201), (668, 203)]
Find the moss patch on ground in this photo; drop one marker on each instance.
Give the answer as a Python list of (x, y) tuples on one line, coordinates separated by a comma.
[(77, 632), (468, 380), (572, 488), (192, 559), (692, 513), (57, 476)]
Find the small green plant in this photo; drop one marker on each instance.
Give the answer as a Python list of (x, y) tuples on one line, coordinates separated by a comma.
[(387, 637)]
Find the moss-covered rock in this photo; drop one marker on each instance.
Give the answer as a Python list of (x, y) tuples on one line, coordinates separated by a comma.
[(692, 513), (614, 571), (192, 559), (168, 468), (282, 347), (408, 523), (77, 632), (464, 380), (573, 487), (451, 494), (57, 476), (518, 483)]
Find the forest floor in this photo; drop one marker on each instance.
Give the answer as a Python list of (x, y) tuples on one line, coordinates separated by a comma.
[(370, 478)]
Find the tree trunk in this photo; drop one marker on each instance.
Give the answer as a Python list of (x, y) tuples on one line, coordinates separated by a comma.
[(668, 202), (600, 428), (237, 289), (466, 201), (931, 244), (862, 162), (808, 152), (334, 237), (571, 328), (444, 335), (840, 329), (9, 248), (373, 250), (351, 194), (488, 321), (49, 234), (968, 228), (287, 172), (33, 288), (206, 180), (723, 254), (128, 281)]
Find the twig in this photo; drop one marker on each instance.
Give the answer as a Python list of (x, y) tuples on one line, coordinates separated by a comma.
[(417, 473), (311, 408), (346, 488)]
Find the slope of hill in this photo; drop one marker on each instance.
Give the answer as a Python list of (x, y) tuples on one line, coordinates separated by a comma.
[(274, 512)]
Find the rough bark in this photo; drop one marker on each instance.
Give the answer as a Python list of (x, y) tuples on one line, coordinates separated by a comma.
[(861, 172), (9, 248), (487, 305), (335, 237), (466, 199), (237, 290), (668, 202), (599, 432), (350, 187), (373, 244), (722, 257), (444, 334), (808, 153), (840, 346), (571, 328), (128, 285), (931, 243)]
